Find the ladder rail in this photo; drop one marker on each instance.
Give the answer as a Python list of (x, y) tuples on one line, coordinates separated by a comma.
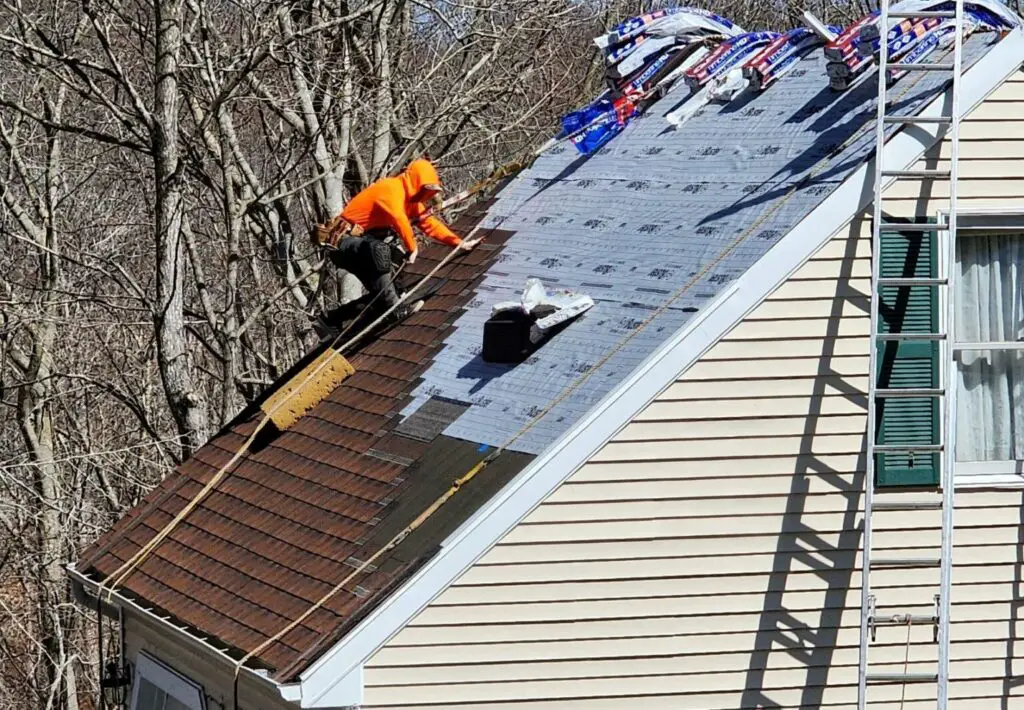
[(948, 372), (866, 595)]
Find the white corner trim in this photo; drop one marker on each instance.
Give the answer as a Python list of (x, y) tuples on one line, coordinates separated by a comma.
[(181, 688), (326, 683)]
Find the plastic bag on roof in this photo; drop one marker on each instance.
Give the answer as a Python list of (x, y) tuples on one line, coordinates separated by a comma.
[(551, 309), (676, 21), (685, 24), (592, 126), (725, 87)]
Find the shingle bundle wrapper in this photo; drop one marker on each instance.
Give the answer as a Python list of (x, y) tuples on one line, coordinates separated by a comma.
[(641, 55), (516, 328), (909, 40), (753, 61)]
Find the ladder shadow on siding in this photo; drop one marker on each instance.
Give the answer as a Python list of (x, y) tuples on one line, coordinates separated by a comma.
[(813, 645)]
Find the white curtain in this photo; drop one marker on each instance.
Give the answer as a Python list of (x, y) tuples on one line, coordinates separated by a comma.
[(990, 308)]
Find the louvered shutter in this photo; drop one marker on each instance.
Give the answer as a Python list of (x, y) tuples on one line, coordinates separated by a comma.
[(908, 309)]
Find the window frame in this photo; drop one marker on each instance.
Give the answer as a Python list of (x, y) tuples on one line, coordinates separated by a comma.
[(171, 682), (1007, 474)]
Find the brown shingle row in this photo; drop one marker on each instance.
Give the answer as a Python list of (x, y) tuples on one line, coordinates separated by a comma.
[(286, 525)]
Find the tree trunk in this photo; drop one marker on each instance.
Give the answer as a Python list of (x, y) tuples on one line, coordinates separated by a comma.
[(187, 405), (382, 97), (35, 422)]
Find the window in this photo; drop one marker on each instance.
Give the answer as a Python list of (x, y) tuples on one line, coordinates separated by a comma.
[(989, 356), (157, 687), (908, 363)]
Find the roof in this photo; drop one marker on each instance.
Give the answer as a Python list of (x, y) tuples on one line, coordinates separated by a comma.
[(657, 223), (299, 512), (309, 504)]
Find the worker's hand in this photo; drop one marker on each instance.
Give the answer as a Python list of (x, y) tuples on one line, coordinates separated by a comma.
[(412, 257), (468, 244)]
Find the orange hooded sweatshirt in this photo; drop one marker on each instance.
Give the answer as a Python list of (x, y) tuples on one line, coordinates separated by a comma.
[(396, 203)]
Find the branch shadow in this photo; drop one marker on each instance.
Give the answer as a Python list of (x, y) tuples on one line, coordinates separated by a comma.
[(840, 127)]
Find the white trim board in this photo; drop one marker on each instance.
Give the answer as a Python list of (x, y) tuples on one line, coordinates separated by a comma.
[(332, 681)]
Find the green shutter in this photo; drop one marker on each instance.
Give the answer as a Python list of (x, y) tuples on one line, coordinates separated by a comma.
[(908, 309)]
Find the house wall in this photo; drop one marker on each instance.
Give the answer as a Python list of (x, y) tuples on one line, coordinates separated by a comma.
[(214, 674), (708, 557)]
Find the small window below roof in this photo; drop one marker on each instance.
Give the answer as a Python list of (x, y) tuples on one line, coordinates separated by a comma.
[(157, 687)]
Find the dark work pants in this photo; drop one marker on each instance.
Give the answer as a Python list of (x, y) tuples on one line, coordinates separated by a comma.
[(354, 255)]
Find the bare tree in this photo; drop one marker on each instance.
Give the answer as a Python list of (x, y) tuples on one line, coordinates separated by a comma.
[(32, 359)]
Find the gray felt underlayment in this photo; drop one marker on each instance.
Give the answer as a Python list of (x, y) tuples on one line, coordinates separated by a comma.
[(635, 225)]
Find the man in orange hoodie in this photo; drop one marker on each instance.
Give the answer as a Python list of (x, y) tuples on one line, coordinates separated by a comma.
[(375, 230)]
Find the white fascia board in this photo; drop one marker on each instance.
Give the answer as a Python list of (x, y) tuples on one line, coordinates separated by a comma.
[(329, 683), (289, 692)]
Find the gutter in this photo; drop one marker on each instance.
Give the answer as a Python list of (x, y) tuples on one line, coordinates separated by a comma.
[(86, 592)]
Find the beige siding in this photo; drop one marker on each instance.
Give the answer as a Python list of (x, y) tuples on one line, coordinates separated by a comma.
[(213, 676), (708, 558)]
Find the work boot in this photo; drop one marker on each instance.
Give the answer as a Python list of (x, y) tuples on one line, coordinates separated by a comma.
[(404, 311), (323, 329)]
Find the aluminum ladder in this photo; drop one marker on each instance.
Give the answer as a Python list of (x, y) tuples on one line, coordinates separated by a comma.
[(870, 620)]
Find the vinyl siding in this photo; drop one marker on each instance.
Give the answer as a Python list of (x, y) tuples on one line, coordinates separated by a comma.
[(708, 557)]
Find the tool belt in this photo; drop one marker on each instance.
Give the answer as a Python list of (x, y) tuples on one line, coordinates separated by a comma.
[(330, 234)]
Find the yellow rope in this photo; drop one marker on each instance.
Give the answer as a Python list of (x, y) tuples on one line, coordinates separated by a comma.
[(906, 661)]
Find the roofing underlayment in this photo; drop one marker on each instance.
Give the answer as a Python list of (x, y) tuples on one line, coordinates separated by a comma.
[(658, 216), (657, 223)]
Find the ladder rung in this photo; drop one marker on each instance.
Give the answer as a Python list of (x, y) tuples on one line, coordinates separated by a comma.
[(891, 393), (902, 677), (906, 562), (917, 120), (903, 620), (911, 226), (922, 66), (910, 336), (906, 505), (923, 14), (922, 174), (906, 448), (911, 282)]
